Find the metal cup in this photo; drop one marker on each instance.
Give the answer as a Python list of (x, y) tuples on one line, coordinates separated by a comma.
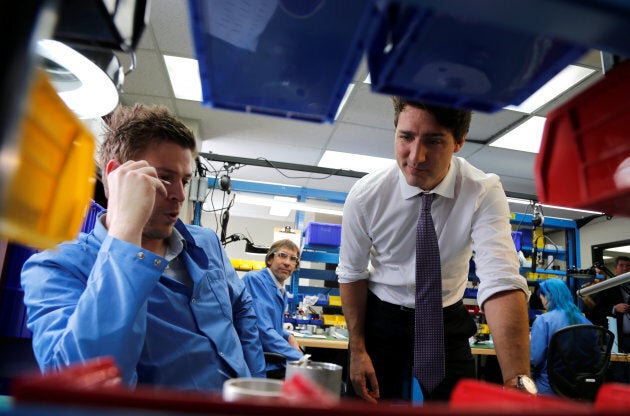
[(327, 375), (252, 388)]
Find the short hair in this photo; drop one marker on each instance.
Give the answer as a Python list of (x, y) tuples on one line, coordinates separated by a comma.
[(281, 243), (132, 130), (455, 120), (621, 258)]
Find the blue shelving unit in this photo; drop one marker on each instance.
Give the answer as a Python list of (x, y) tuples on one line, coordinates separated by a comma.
[(570, 255), (316, 254)]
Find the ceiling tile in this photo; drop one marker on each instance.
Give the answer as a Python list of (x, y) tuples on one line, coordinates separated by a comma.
[(149, 77), (485, 126), (171, 27), (369, 108), (363, 140)]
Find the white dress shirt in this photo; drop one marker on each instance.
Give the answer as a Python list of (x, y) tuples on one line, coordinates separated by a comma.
[(471, 214)]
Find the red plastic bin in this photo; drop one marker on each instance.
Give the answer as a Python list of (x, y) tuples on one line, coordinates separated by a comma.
[(584, 142)]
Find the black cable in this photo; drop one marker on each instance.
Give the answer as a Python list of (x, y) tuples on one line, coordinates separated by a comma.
[(297, 177), (518, 226)]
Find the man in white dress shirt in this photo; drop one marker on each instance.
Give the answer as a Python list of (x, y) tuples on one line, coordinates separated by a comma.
[(377, 259)]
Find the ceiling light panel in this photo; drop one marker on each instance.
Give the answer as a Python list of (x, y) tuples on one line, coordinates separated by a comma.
[(184, 76), (561, 83), (351, 161), (526, 137)]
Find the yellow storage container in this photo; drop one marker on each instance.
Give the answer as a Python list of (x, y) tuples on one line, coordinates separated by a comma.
[(334, 320), (246, 265), (334, 300), (483, 329), (258, 265), (51, 172), (236, 263)]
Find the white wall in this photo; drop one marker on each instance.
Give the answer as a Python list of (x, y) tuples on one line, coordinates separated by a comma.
[(601, 231)]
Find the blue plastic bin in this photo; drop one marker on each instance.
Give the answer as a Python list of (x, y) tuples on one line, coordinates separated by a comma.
[(517, 237), (322, 234), (459, 61), (284, 58), (91, 216)]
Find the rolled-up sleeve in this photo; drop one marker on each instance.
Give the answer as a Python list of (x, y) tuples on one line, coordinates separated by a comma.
[(495, 256), (354, 253)]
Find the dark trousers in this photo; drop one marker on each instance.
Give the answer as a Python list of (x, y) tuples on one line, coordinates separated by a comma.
[(389, 337)]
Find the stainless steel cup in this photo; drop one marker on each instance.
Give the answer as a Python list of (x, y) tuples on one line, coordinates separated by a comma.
[(252, 388), (327, 375)]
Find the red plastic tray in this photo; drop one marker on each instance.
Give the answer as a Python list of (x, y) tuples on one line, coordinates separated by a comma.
[(584, 142), (96, 384)]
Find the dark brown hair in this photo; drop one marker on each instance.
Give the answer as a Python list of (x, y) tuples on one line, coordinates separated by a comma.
[(456, 120), (132, 130)]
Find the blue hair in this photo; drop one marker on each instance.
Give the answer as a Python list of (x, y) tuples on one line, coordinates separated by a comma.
[(559, 297)]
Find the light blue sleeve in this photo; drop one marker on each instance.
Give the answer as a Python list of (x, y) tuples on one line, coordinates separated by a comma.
[(245, 321), (269, 316), (539, 343), (83, 303)]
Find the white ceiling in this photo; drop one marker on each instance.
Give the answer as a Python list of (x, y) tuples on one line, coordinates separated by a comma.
[(365, 125)]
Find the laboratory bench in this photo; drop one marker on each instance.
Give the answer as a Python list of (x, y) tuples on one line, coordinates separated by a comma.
[(488, 349), (321, 341)]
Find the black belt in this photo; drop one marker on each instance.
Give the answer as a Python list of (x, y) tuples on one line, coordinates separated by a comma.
[(405, 310)]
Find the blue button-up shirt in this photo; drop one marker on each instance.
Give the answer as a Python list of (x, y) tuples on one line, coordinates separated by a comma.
[(100, 296), (270, 303)]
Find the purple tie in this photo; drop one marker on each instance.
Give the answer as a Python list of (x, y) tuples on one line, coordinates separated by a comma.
[(429, 332)]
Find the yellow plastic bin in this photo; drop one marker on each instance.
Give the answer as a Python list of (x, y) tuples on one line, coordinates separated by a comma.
[(51, 173)]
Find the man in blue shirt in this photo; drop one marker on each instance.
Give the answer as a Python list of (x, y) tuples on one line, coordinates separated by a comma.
[(270, 302), (158, 296)]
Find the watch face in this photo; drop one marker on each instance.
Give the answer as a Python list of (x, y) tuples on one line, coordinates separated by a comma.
[(527, 384)]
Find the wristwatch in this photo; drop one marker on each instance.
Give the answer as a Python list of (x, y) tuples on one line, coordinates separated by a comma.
[(522, 382)]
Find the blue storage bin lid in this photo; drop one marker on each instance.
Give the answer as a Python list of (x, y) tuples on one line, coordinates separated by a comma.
[(596, 24), (455, 61), (287, 58)]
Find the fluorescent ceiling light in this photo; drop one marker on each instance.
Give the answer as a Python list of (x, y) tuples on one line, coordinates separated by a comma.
[(526, 137), (344, 100), (563, 81), (529, 202), (351, 161), (316, 207), (281, 209), (586, 211), (184, 76), (519, 201), (84, 87), (622, 249)]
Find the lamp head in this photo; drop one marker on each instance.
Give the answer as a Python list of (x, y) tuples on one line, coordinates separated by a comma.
[(538, 219)]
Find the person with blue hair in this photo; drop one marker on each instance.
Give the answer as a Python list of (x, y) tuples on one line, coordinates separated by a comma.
[(561, 312)]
